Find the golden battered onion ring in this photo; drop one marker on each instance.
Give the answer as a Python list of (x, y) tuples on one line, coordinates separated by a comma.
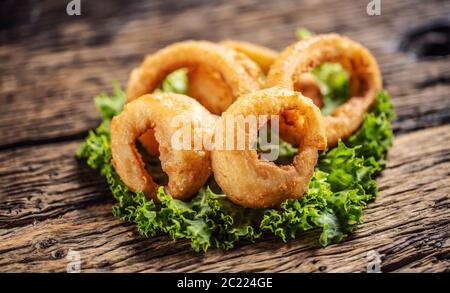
[(213, 62), (187, 170), (240, 73), (250, 182), (362, 67)]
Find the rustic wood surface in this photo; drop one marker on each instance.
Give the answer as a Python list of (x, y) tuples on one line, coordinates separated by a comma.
[(53, 64)]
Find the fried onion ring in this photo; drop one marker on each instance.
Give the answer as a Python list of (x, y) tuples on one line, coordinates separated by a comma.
[(254, 183), (187, 170), (303, 56), (218, 75), (240, 73)]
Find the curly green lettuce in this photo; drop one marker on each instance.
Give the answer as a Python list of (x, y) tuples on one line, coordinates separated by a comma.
[(334, 83), (333, 80), (302, 32), (175, 82), (342, 185)]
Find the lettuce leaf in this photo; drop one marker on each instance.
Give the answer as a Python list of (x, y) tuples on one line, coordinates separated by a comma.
[(334, 83), (110, 106), (340, 189), (333, 79), (176, 82), (302, 32)]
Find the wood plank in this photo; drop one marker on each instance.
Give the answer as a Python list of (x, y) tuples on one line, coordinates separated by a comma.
[(54, 207), (45, 182), (53, 67)]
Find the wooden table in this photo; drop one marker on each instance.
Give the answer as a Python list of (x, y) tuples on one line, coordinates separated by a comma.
[(53, 64)]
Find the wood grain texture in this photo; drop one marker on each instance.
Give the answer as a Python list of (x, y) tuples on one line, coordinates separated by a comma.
[(52, 65), (408, 224)]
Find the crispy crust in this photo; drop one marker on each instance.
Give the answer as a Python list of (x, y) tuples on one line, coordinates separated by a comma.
[(187, 170), (240, 73), (303, 56), (217, 76), (250, 182)]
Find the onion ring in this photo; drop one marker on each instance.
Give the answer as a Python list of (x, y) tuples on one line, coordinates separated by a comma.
[(250, 182), (226, 75), (240, 73), (303, 56), (187, 170)]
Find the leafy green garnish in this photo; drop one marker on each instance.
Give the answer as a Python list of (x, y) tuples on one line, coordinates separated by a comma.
[(286, 151), (109, 106), (333, 79), (203, 220), (334, 83), (176, 82), (302, 32)]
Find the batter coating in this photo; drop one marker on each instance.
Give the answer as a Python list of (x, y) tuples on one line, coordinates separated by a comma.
[(254, 183), (240, 73), (187, 170)]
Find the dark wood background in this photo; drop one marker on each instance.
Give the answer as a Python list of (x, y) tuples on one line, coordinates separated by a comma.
[(53, 64)]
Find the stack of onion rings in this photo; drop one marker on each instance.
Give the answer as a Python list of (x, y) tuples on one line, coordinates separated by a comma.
[(226, 79), (218, 75)]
